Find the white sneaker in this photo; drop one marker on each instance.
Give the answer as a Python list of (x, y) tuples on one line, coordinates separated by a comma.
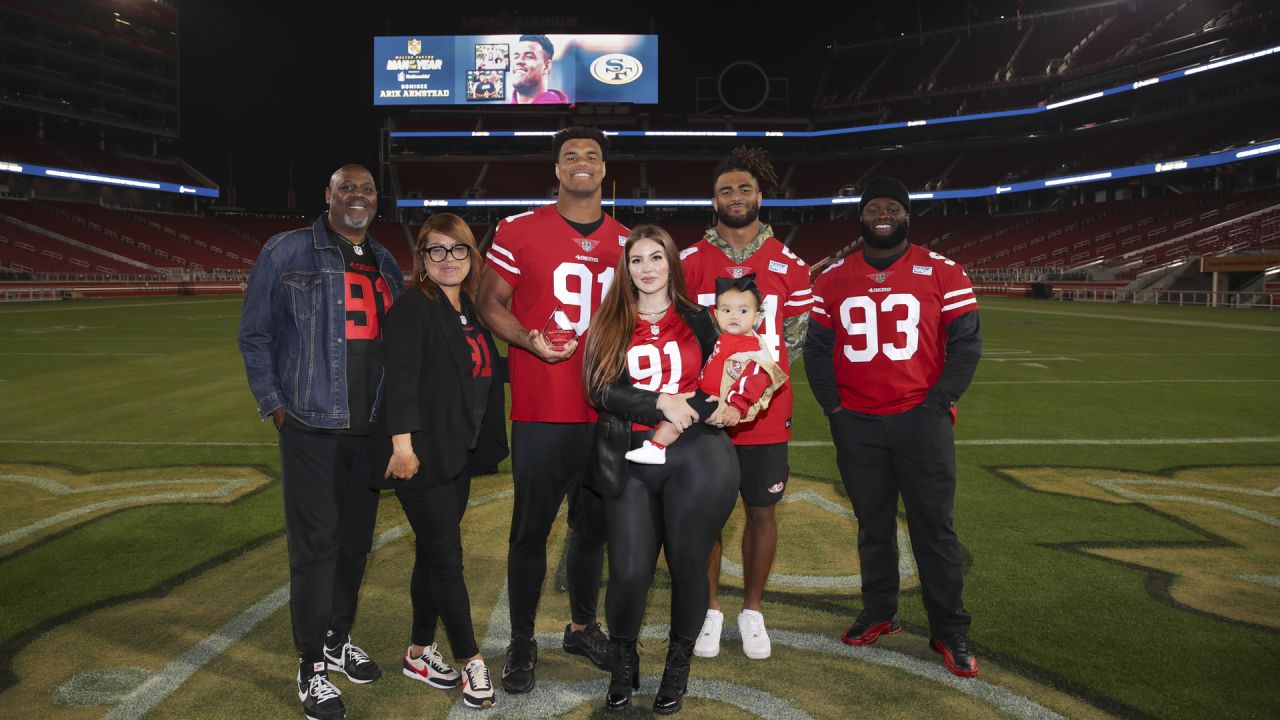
[(430, 668), (477, 687), (755, 639), (648, 454), (708, 644)]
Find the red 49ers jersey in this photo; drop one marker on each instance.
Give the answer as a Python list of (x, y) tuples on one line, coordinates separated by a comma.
[(664, 357), (553, 269), (783, 281), (890, 326)]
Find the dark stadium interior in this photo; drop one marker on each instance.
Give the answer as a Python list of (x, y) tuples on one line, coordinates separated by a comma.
[(169, 95)]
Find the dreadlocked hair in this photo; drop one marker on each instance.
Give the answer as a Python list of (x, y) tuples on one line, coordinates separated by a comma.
[(751, 160)]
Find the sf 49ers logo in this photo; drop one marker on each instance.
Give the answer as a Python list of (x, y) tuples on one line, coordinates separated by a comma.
[(587, 245), (737, 271), (734, 368), (777, 487)]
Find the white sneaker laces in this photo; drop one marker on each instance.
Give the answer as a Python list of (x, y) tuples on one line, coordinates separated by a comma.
[(478, 676), (755, 624), (321, 689), (355, 654)]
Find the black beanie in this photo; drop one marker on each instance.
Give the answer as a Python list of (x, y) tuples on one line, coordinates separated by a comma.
[(885, 186)]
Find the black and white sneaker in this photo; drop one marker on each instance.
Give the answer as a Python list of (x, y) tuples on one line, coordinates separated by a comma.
[(477, 687), (352, 662), (320, 699)]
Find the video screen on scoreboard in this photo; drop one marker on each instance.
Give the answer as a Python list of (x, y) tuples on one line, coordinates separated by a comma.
[(514, 69)]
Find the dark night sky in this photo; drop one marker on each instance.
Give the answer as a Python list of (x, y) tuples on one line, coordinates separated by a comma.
[(268, 83)]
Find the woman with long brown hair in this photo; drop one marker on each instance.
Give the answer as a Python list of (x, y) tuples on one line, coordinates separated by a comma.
[(643, 357), (443, 417)]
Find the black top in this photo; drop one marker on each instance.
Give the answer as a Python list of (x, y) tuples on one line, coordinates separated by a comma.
[(585, 229), (430, 384)]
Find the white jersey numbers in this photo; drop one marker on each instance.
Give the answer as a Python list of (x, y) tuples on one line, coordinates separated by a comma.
[(577, 293), (903, 308), (645, 364)]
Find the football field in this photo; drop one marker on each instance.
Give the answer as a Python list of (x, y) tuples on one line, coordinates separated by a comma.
[(1118, 508)]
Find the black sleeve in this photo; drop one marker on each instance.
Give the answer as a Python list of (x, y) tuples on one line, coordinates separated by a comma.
[(627, 401), (403, 344), (964, 349), (820, 366)]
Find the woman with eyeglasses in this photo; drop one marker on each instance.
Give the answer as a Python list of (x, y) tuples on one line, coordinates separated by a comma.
[(443, 415)]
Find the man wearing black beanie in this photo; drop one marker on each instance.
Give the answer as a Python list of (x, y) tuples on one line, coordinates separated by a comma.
[(893, 343)]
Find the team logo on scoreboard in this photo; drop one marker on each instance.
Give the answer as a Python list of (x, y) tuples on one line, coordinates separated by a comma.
[(737, 271), (587, 245), (415, 46), (616, 69)]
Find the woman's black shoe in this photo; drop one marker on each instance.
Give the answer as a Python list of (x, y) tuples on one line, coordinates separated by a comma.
[(675, 677), (625, 677)]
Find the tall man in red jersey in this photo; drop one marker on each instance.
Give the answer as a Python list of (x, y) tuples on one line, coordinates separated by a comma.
[(552, 266), (894, 342), (738, 245)]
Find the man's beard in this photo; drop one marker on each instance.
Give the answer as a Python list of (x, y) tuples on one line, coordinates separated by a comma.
[(884, 243), (723, 216), (357, 224)]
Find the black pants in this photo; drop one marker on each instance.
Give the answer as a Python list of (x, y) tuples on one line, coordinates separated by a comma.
[(329, 512), (549, 461), (913, 454), (437, 588), (680, 508)]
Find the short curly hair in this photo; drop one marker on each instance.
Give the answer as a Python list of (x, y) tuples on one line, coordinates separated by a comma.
[(750, 160)]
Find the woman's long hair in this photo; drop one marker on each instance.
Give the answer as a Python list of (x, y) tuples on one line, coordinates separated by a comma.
[(456, 228), (614, 323)]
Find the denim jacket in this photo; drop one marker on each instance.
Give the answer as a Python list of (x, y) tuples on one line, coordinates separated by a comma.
[(293, 327)]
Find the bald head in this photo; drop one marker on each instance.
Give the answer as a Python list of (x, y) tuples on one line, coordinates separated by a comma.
[(353, 201)]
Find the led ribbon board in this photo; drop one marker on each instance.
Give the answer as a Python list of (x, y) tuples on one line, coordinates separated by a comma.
[(1188, 163), (99, 178), (514, 69), (1043, 106)]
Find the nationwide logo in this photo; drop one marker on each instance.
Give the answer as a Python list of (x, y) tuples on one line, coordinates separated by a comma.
[(616, 69), (415, 46), (587, 245), (737, 271)]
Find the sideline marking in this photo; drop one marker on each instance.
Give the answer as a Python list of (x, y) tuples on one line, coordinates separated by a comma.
[(1120, 382), (113, 307), (1137, 318), (70, 354)]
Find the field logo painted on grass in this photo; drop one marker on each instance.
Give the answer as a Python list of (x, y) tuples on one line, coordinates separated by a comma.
[(42, 500), (1232, 573)]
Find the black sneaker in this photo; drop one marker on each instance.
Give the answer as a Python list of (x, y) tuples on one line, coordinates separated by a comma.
[(957, 654), (320, 699), (866, 630), (352, 662), (517, 673), (589, 642)]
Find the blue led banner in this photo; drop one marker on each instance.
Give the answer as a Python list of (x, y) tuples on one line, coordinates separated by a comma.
[(1187, 163), (514, 69), (99, 178)]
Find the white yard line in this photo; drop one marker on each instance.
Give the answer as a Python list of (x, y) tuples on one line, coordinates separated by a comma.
[(1136, 318), (113, 307)]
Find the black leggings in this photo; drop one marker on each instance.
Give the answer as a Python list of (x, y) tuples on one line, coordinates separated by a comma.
[(438, 589), (680, 507)]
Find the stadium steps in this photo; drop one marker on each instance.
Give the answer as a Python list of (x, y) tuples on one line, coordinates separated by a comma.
[(121, 259)]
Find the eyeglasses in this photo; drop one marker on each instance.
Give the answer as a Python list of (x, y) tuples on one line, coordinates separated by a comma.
[(437, 253)]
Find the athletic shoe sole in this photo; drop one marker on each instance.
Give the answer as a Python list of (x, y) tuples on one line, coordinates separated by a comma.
[(575, 650), (484, 704), (707, 654), (438, 684), (950, 661), (872, 633)]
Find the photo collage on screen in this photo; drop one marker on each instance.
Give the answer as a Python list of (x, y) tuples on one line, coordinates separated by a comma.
[(488, 81)]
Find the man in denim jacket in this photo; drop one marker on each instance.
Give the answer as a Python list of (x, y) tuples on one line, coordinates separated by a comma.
[(310, 334)]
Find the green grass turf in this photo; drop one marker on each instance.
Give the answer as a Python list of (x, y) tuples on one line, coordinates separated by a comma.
[(168, 371)]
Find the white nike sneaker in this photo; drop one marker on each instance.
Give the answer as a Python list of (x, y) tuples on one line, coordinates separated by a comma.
[(708, 643), (755, 639)]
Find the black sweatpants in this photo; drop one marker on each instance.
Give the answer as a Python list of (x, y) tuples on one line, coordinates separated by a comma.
[(437, 587), (912, 454), (549, 462), (680, 508), (329, 513)]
